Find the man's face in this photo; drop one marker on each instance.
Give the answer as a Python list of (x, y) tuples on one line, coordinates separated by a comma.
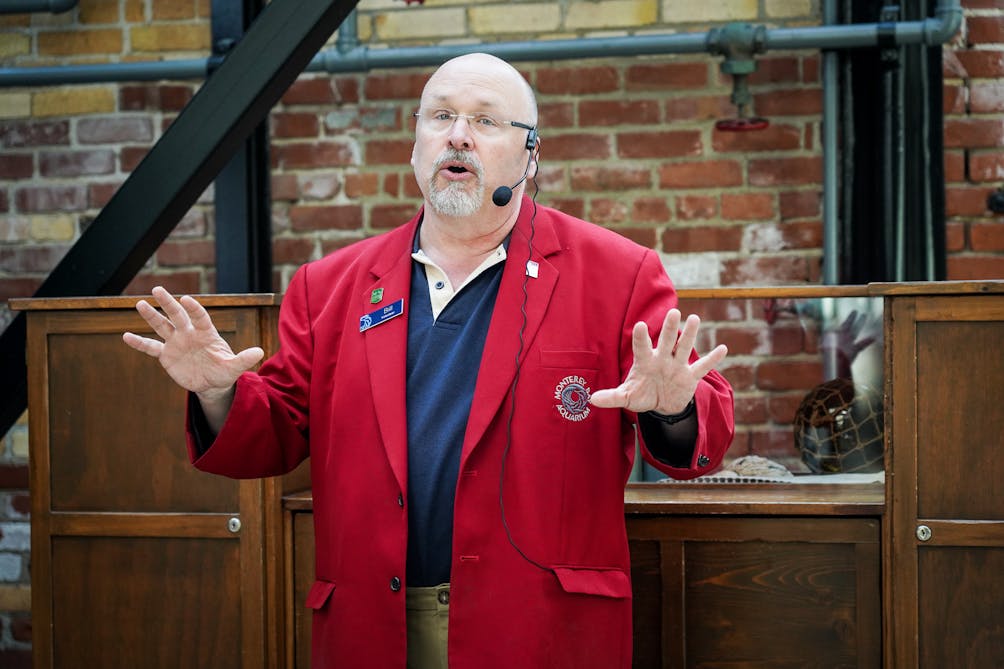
[(464, 146)]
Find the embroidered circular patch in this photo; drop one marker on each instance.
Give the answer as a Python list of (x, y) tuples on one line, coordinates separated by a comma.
[(573, 394)]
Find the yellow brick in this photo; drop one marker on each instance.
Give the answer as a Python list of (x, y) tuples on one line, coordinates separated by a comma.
[(499, 18), (99, 11), (78, 42), (172, 10), (14, 45), (134, 12), (19, 444), (171, 37), (15, 105), (53, 228), (423, 24), (780, 9), (15, 598), (610, 14), (678, 11), (15, 20), (73, 101)]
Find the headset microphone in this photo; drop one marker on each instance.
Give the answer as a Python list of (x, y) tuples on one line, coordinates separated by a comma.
[(503, 194)]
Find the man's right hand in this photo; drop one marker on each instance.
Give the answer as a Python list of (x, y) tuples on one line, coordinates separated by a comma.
[(192, 351)]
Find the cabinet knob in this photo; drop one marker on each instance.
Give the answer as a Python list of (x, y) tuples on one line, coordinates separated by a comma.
[(234, 524), (923, 532)]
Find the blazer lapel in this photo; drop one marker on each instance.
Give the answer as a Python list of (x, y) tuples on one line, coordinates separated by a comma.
[(387, 347), (503, 343)]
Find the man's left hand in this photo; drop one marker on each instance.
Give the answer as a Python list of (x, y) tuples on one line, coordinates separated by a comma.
[(661, 379)]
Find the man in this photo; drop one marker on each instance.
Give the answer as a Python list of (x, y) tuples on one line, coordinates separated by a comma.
[(466, 387)]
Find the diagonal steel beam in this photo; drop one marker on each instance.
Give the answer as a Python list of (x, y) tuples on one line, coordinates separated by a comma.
[(209, 130)]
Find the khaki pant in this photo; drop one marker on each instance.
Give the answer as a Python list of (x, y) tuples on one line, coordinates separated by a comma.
[(428, 614)]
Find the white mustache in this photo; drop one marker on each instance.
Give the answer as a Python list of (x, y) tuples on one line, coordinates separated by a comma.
[(465, 157)]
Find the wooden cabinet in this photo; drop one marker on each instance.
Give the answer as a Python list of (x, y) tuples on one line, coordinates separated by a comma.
[(945, 543), (138, 559)]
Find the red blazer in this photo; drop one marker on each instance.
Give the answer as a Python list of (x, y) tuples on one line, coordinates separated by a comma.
[(338, 395)]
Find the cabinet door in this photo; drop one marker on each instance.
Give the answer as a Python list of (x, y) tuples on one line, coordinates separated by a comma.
[(138, 559), (945, 492)]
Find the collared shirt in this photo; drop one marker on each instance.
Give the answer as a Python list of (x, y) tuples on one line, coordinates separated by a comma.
[(440, 289)]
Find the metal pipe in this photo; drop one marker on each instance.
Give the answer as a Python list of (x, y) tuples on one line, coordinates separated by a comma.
[(831, 237), (362, 58), (32, 6)]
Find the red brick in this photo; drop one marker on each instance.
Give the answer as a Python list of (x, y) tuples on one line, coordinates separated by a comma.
[(974, 132), (18, 287), (151, 97), (701, 108), (981, 4), (410, 186), (984, 30), (15, 166), (747, 206), (30, 259), (986, 236), (983, 64), (285, 187), (98, 195), (782, 406), (13, 477), (706, 174), (294, 124), (986, 97), (953, 101), (604, 211), (800, 204), (788, 375), (51, 198), (774, 138), (774, 70), (647, 237), (650, 210), (555, 115), (76, 163), (195, 252), (792, 102), (668, 144), (319, 185), (114, 130), (975, 267), (292, 250), (310, 91), (955, 236), (766, 270), (392, 185), (810, 69), (361, 185), (696, 207), (577, 80), (961, 201), (742, 340), (955, 166), (386, 216), (22, 134), (131, 156), (750, 409), (986, 166), (177, 283), (573, 206), (698, 239), (388, 152), (21, 504), (786, 338), (4, 200), (779, 237), (331, 217), (666, 76), (741, 376), (313, 154), (577, 147), (332, 245), (610, 178), (784, 171), (618, 112), (406, 86)]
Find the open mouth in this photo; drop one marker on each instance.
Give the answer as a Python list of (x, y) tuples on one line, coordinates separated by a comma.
[(457, 169)]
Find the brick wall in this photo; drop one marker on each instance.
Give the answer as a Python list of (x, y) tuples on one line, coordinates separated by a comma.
[(628, 143)]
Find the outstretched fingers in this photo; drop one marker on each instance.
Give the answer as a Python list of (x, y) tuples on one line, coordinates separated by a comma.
[(151, 347)]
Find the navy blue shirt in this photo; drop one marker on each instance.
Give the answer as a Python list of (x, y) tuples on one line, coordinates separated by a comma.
[(443, 359)]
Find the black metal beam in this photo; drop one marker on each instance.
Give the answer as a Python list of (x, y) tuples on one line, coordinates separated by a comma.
[(208, 131), (242, 194)]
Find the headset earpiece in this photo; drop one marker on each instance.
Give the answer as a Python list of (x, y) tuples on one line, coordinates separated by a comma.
[(531, 139)]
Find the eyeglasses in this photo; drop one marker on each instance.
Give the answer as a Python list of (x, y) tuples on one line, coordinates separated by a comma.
[(441, 120)]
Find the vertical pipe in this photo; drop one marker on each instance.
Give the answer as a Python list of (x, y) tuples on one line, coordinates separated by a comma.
[(830, 157)]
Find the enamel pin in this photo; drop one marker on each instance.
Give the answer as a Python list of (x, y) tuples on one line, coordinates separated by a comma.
[(381, 315)]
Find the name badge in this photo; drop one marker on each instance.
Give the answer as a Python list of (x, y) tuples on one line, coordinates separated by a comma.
[(381, 315)]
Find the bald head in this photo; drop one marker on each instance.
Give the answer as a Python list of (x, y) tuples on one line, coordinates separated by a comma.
[(487, 81)]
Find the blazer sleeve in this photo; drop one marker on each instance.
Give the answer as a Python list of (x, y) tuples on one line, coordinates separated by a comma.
[(266, 431), (652, 297)]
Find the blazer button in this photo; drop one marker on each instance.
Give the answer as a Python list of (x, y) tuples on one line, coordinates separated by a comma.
[(395, 584), (703, 460), (400, 500)]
